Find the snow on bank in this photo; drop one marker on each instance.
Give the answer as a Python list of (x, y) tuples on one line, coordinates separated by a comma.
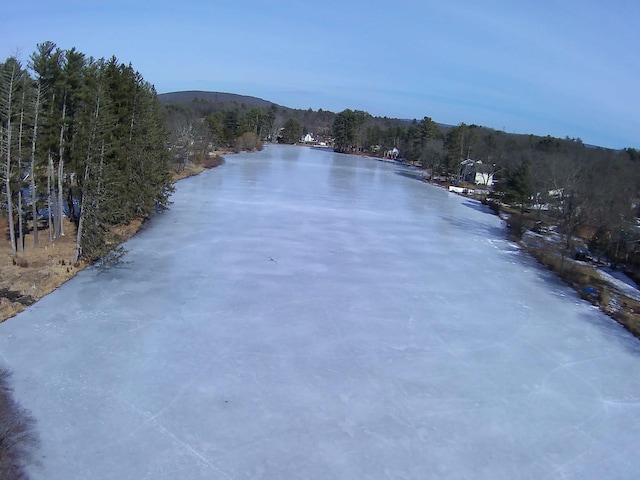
[(620, 282)]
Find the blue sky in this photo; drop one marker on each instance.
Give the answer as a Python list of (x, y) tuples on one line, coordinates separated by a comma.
[(560, 68)]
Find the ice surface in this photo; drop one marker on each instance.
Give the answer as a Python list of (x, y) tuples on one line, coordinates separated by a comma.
[(303, 314)]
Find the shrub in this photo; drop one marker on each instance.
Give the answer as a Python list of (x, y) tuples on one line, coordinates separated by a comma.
[(20, 262), (248, 141), (211, 162), (631, 321)]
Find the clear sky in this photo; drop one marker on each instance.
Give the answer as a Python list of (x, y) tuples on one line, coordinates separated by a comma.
[(560, 68)]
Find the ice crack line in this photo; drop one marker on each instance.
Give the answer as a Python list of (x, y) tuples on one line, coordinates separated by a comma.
[(201, 456), (153, 418)]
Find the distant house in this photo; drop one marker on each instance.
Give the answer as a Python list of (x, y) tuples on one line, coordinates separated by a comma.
[(484, 175), (308, 138), (392, 154), (476, 172)]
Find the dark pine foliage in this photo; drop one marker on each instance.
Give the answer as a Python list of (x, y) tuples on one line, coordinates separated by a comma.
[(94, 136)]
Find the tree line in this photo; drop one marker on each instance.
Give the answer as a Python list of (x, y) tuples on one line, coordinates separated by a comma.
[(197, 131), (585, 190), (582, 189), (202, 122), (83, 138)]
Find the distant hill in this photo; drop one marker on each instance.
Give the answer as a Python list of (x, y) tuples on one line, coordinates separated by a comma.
[(190, 97), (201, 104)]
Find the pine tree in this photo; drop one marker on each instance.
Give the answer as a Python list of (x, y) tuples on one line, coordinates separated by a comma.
[(47, 63), (92, 227), (95, 131)]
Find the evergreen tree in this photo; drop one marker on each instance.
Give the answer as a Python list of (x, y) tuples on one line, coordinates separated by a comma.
[(419, 134), (344, 131), (291, 132), (516, 188), (457, 146), (47, 63), (95, 130)]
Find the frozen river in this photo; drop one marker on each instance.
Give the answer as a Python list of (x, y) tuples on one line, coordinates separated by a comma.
[(300, 314)]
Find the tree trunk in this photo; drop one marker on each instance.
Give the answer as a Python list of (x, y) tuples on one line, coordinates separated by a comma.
[(20, 176), (84, 202), (32, 167), (99, 184), (20, 224), (7, 172), (19, 212), (59, 205), (49, 199), (12, 231)]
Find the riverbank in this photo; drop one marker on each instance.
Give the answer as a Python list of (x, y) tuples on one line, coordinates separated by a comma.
[(389, 288), (39, 271), (611, 291)]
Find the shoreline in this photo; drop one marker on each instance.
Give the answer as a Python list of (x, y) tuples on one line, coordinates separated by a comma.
[(31, 276), (619, 302), (601, 289), (614, 298), (37, 272)]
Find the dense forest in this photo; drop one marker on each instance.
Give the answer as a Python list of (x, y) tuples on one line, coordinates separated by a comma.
[(80, 138), (202, 122), (213, 120)]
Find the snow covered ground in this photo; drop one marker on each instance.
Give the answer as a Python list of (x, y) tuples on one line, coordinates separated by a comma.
[(302, 314), (621, 282)]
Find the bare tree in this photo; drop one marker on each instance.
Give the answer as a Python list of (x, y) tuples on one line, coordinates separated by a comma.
[(32, 163), (59, 215), (568, 179), (11, 72), (50, 180)]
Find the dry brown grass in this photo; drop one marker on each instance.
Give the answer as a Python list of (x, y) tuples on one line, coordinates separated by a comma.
[(631, 321), (37, 271), (189, 170), (200, 165)]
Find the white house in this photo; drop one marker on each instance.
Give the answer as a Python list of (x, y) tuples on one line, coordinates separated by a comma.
[(474, 171), (308, 138), (484, 175), (392, 154)]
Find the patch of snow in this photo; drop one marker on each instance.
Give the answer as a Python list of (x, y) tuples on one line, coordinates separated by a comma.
[(620, 282)]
